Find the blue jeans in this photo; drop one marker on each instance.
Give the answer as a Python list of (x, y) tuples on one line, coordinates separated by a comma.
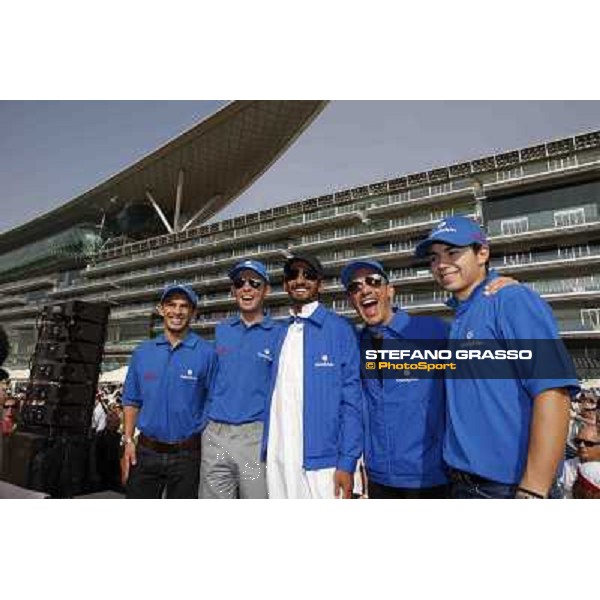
[(489, 490)]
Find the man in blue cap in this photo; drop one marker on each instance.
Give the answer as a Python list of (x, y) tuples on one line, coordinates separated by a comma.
[(164, 397), (404, 416), (246, 344), (504, 438)]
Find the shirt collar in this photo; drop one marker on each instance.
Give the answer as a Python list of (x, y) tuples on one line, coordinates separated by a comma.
[(399, 321), (189, 341), (397, 324), (266, 322), (461, 305)]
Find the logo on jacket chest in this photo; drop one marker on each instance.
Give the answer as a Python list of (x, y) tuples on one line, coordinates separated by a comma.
[(324, 362), (266, 354), (189, 375)]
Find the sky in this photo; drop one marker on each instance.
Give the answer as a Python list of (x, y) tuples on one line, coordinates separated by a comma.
[(50, 152)]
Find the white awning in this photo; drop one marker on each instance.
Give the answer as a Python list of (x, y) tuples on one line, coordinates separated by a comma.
[(19, 374), (116, 376)]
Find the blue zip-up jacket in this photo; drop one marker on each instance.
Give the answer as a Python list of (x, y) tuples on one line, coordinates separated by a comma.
[(169, 386), (243, 377), (332, 427), (405, 417)]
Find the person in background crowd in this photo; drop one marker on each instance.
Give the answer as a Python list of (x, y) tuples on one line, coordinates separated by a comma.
[(504, 438), (588, 407), (164, 396), (4, 377), (587, 442), (4, 346), (245, 344), (99, 414), (4, 386), (313, 433), (10, 413)]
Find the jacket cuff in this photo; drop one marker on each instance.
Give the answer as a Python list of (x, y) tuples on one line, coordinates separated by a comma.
[(346, 463)]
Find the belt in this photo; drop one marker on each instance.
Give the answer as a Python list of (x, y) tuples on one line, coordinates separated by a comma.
[(191, 443), (457, 476)]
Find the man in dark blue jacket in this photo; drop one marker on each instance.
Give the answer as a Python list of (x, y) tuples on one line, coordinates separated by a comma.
[(314, 429), (404, 416), (246, 344)]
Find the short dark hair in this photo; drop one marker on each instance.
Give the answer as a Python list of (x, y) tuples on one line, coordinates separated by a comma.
[(476, 248)]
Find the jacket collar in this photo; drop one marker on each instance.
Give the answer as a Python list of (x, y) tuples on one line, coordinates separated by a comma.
[(317, 316)]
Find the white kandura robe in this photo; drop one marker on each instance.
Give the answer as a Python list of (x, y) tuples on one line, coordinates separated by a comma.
[(286, 478)]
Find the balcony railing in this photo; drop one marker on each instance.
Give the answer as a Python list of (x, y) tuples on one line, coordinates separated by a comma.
[(568, 253)]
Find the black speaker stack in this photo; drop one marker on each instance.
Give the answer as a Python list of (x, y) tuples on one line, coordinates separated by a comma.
[(47, 451), (65, 368)]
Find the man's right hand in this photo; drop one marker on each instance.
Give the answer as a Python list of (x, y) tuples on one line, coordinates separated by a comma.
[(128, 460)]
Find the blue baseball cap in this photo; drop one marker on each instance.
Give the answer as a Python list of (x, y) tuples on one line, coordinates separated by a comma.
[(186, 290), (351, 268), (253, 265), (456, 231)]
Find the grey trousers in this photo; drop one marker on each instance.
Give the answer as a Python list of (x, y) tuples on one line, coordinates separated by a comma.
[(231, 465)]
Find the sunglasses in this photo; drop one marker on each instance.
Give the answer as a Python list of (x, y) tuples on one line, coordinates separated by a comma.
[(240, 282), (309, 274), (10, 406), (587, 443), (374, 281)]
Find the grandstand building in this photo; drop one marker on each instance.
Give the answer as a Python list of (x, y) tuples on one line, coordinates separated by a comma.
[(124, 240)]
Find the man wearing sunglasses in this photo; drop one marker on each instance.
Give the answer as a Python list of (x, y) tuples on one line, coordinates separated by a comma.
[(231, 442), (587, 442), (504, 437), (404, 415), (314, 428)]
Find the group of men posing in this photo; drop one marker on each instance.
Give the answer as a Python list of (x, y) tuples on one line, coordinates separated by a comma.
[(284, 410)]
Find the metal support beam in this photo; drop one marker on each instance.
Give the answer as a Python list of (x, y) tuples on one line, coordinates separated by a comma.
[(214, 199), (159, 212), (178, 198)]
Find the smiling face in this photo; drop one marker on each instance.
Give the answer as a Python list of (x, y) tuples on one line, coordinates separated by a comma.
[(177, 313), (301, 285), (458, 269), (251, 295), (372, 302)]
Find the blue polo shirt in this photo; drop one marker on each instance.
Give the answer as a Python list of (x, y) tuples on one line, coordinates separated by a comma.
[(488, 420), (169, 386), (404, 417), (245, 359)]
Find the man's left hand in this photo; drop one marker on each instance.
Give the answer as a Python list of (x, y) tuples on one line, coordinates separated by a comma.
[(497, 284), (343, 484)]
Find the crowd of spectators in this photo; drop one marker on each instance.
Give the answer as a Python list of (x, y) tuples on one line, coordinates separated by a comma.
[(581, 469)]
